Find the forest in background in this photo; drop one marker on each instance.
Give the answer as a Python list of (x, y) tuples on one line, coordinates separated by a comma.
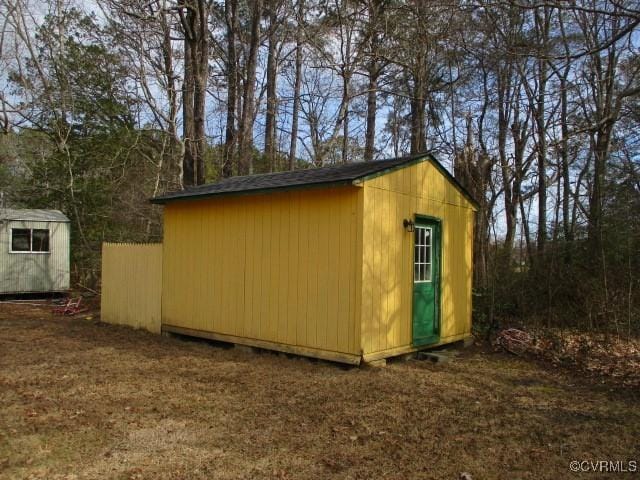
[(532, 105)]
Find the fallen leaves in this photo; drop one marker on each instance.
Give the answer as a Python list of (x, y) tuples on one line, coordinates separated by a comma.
[(112, 402), (612, 359)]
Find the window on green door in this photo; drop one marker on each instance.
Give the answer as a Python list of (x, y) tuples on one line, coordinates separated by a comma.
[(422, 257)]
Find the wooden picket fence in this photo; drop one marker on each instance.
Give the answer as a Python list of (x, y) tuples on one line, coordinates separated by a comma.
[(132, 285)]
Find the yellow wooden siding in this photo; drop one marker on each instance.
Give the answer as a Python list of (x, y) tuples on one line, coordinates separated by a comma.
[(132, 285), (279, 267), (387, 284)]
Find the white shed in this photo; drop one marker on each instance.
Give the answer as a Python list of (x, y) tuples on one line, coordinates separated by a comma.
[(34, 251)]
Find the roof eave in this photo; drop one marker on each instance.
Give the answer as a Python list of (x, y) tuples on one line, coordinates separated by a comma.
[(356, 181), (41, 220), (384, 171), (257, 191)]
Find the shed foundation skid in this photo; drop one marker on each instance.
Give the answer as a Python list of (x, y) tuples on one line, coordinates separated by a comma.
[(278, 347)]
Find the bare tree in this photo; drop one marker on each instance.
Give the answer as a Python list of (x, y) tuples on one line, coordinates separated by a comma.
[(232, 32), (374, 65), (607, 84), (144, 32), (194, 18), (245, 133), (299, 25), (273, 40)]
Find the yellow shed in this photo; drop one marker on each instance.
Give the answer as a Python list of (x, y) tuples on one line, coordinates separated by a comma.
[(350, 263)]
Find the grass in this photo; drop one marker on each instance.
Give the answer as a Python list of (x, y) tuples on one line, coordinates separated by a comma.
[(81, 399)]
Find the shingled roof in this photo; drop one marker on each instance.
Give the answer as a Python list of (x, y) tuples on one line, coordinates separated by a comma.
[(335, 175), (32, 215)]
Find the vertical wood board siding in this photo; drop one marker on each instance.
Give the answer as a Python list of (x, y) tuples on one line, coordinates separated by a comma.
[(387, 257), (279, 267), (132, 285)]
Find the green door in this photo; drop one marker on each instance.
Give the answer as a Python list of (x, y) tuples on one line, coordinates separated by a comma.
[(426, 282)]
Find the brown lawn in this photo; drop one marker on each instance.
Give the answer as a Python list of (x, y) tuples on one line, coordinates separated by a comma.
[(81, 399)]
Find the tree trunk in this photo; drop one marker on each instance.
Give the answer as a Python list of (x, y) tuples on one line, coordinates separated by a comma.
[(606, 115), (231, 19), (272, 106), (175, 161), (296, 88), (504, 107), (526, 230), (542, 22), (542, 160), (188, 124), (245, 135), (519, 135), (418, 105), (376, 11), (372, 107), (346, 83), (395, 127), (200, 92), (600, 154), (196, 66), (567, 226), (564, 161)]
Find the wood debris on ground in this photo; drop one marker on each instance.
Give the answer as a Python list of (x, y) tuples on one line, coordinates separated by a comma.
[(613, 358)]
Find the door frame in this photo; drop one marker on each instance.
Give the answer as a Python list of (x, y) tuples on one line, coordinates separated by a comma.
[(417, 218)]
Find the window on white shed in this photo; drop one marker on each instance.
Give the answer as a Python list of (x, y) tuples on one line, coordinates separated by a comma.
[(29, 240), (20, 240), (39, 240)]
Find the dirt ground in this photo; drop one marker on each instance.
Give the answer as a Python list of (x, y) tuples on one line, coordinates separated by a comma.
[(81, 399)]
